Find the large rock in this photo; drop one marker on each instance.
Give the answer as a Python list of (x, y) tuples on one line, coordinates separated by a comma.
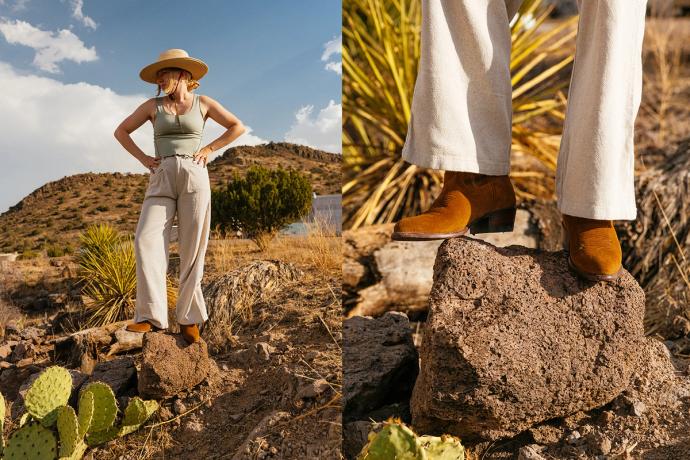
[(380, 362), (514, 338), (169, 365)]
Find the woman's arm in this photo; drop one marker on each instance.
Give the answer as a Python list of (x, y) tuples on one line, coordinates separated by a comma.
[(131, 124), (234, 127)]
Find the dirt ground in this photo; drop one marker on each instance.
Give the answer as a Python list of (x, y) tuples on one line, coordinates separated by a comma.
[(275, 390)]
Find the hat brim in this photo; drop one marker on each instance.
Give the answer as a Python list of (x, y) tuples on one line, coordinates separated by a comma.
[(196, 67)]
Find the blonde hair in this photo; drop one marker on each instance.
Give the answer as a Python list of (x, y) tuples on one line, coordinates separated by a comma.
[(192, 84)]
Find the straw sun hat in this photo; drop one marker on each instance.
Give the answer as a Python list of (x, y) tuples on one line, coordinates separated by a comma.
[(174, 58)]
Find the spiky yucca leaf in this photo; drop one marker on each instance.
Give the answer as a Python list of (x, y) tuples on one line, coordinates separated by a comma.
[(108, 272), (380, 56)]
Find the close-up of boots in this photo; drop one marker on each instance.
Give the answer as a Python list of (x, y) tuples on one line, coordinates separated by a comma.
[(515, 212)]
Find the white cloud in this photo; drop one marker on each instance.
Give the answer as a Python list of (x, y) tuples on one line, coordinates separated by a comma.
[(333, 47), (77, 13), (51, 47), (51, 130), (322, 131)]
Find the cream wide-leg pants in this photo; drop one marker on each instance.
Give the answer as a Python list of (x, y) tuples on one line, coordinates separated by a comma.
[(179, 185), (462, 109)]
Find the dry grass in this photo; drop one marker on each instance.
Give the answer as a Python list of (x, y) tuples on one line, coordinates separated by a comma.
[(319, 249), (663, 111)]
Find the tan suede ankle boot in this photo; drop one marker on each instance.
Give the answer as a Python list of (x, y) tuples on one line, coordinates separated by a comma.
[(593, 246), (190, 332), (144, 326), (468, 202)]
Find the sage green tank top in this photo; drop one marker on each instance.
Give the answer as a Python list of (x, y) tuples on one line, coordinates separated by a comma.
[(177, 134)]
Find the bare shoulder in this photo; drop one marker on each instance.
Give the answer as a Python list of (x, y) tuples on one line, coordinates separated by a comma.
[(207, 101), (207, 104)]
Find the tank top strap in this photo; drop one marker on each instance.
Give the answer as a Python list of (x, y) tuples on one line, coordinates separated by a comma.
[(159, 104)]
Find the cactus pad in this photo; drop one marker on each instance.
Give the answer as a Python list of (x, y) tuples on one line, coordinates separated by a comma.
[(138, 411), (100, 437), (104, 407), (32, 441), (68, 429), (86, 408), (51, 390), (398, 441), (393, 441), (444, 448)]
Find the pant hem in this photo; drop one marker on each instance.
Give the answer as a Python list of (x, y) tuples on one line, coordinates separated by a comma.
[(587, 211), (453, 163)]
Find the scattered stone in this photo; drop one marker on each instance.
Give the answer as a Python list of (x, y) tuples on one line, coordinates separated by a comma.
[(514, 338), (607, 417), (170, 365), (313, 389), (573, 437), (638, 408), (5, 351), (263, 351), (179, 407), (23, 350), (165, 414), (546, 433), (531, 452), (379, 362)]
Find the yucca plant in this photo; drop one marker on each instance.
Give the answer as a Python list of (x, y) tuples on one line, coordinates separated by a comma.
[(108, 273), (380, 56)]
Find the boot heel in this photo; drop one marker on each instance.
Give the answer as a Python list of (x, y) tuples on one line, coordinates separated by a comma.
[(496, 222)]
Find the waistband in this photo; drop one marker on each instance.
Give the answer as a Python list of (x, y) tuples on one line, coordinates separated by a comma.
[(181, 155)]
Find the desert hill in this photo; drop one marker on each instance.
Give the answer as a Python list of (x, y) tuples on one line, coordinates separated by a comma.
[(52, 216)]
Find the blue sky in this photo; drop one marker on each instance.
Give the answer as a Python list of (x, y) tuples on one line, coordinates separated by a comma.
[(70, 68)]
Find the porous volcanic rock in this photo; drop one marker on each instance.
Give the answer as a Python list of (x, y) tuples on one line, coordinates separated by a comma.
[(169, 365), (514, 338)]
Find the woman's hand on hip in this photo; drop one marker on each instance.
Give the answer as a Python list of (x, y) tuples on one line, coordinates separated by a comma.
[(150, 162), (201, 156)]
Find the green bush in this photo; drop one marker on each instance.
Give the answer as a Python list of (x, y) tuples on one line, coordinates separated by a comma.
[(261, 203)]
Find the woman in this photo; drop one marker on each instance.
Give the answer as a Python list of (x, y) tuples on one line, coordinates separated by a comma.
[(178, 184)]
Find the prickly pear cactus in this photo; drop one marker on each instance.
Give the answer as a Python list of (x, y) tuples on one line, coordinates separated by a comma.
[(2, 422), (394, 441), (32, 441), (397, 441), (104, 407), (86, 408), (446, 447), (51, 390), (136, 413), (68, 429)]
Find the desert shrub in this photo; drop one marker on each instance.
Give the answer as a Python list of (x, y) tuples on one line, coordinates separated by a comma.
[(54, 250), (108, 271), (102, 208), (28, 254), (261, 203)]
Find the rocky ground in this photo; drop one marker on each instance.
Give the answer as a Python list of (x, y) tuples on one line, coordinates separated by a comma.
[(647, 418), (271, 390)]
